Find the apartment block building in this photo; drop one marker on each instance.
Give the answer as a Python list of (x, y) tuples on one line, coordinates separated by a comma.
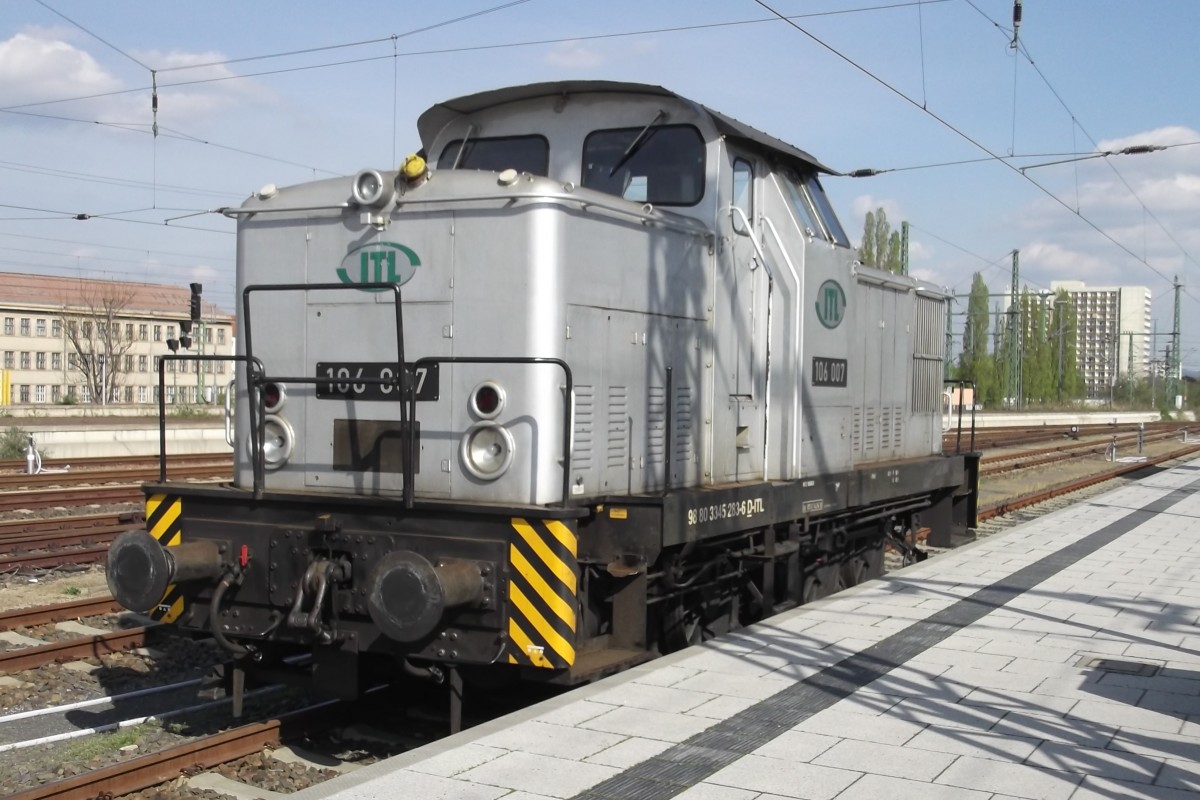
[(1113, 334), (93, 341)]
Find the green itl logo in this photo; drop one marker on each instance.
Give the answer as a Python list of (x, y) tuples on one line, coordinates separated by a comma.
[(831, 304), (378, 263)]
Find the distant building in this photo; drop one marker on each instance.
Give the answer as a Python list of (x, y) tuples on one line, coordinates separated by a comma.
[(1113, 335), (62, 339)]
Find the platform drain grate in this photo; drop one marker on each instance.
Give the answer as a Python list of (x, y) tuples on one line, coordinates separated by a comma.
[(1119, 665)]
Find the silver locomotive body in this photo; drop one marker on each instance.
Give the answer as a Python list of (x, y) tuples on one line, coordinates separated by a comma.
[(603, 374)]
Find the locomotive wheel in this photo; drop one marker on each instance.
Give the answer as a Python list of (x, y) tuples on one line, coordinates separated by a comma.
[(682, 625), (853, 572)]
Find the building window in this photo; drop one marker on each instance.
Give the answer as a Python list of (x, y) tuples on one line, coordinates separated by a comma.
[(221, 367), (72, 360), (208, 335), (128, 394), (87, 329), (56, 328), (220, 336), (158, 333), (85, 394), (55, 393), (40, 360), (39, 394), (23, 393), (143, 332), (170, 331), (56, 361), (128, 363), (8, 359), (24, 326), (142, 363), (24, 360), (141, 394), (40, 327), (129, 331), (8, 326)]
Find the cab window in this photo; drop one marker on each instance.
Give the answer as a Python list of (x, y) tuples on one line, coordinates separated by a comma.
[(662, 165), (806, 215), (743, 194), (820, 201), (523, 153)]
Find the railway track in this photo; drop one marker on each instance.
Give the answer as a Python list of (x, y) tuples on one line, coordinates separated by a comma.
[(142, 772)]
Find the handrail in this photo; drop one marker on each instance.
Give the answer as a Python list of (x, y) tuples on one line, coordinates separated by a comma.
[(962, 385), (641, 214), (255, 383), (251, 364), (762, 258)]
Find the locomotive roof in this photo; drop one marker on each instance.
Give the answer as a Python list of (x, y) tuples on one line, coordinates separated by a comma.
[(442, 114)]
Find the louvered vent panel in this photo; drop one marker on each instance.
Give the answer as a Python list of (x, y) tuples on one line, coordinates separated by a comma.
[(684, 450), (656, 425), (585, 420), (618, 426), (885, 430), (856, 430)]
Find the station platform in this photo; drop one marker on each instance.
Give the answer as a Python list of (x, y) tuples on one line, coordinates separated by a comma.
[(1058, 659)]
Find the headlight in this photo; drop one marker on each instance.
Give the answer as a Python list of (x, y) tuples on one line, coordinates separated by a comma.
[(370, 188), (274, 396), (487, 400), (278, 441), (487, 450)]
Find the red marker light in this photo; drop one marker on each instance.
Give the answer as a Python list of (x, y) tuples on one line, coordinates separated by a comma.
[(244, 556)]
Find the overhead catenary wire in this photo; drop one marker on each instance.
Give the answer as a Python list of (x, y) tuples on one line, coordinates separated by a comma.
[(959, 132), (1023, 50)]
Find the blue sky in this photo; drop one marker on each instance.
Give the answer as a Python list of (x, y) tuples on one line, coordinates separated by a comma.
[(901, 86)]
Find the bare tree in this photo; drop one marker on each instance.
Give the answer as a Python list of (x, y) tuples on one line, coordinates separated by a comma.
[(93, 327)]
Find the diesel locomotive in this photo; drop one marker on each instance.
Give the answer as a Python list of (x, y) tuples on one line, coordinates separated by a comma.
[(593, 376)]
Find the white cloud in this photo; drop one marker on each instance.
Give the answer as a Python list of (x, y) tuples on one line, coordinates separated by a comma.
[(866, 202), (574, 55), (35, 69)]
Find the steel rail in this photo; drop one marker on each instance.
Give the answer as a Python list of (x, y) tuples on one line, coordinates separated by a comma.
[(45, 615), (188, 758), (1023, 501), (72, 649)]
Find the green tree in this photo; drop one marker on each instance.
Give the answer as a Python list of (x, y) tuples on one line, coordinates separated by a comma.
[(880, 244), (1065, 324), (867, 252), (975, 331)]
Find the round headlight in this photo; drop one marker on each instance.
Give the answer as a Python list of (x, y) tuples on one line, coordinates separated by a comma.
[(278, 441), (274, 396), (487, 400), (487, 450), (371, 189)]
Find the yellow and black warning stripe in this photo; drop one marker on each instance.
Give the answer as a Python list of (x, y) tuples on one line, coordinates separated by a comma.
[(542, 587), (164, 522)]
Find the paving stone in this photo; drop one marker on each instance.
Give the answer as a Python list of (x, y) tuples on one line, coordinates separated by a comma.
[(543, 738), (785, 778), (882, 759), (877, 787), (1130, 767), (987, 775), (650, 724), (629, 751), (553, 777)]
